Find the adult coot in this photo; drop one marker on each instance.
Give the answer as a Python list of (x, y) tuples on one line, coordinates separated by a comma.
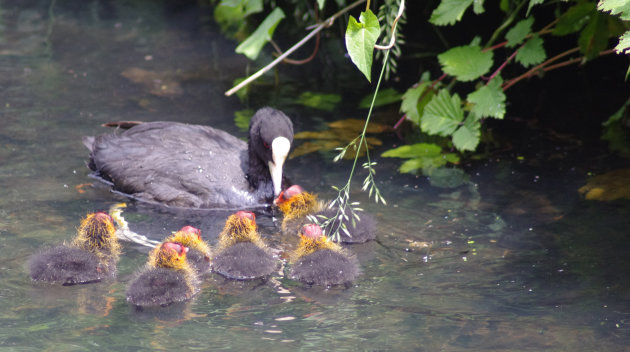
[(195, 166), (296, 204), (319, 261), (242, 254), (198, 254), (91, 257), (167, 278)]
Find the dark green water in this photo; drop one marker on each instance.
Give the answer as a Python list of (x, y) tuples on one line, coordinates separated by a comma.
[(516, 259)]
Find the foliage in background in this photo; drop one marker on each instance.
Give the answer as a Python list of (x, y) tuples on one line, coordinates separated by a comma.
[(621, 8), (447, 106), (439, 109)]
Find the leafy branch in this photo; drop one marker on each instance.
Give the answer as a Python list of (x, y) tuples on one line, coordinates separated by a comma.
[(443, 113), (327, 23)]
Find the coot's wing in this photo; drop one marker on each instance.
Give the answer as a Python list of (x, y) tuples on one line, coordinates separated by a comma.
[(175, 164)]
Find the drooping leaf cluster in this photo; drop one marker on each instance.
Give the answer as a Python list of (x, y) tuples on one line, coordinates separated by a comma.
[(441, 106), (436, 109)]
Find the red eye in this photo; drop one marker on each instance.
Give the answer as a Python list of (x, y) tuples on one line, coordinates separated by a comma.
[(266, 145)]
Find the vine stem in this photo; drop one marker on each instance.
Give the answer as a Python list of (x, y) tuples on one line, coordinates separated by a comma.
[(346, 187), (392, 40), (327, 23), (498, 70)]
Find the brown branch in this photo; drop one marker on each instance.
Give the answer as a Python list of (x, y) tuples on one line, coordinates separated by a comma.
[(298, 62), (531, 71), (545, 68)]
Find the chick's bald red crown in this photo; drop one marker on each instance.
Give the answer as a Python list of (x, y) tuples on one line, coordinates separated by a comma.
[(103, 216), (172, 246), (289, 193), (190, 229), (312, 231), (244, 214)]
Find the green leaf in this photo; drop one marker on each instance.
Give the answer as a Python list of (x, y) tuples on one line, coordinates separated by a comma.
[(533, 3), (253, 6), (321, 3), (414, 151), (230, 15), (618, 115), (242, 117), (594, 37), (411, 104), (574, 18), (360, 40), (616, 7), (624, 44), (467, 135), (478, 7), (320, 101), (411, 166), (254, 43), (442, 114), (449, 12), (517, 34), (384, 97), (466, 62), (422, 156), (532, 53), (489, 100), (615, 131), (504, 5)]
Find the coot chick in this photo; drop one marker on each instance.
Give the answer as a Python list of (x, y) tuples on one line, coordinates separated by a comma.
[(319, 261), (167, 278), (242, 254), (91, 257), (296, 204), (195, 166), (198, 254)]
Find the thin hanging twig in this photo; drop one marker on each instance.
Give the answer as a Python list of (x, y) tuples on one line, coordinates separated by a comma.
[(280, 58)]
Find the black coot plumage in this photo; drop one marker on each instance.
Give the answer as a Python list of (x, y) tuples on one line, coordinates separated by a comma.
[(195, 166), (319, 261), (91, 257)]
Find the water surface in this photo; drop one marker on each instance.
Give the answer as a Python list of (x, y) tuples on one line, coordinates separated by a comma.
[(513, 260)]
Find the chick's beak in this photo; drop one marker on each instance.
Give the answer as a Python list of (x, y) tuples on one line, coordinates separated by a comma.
[(280, 147)]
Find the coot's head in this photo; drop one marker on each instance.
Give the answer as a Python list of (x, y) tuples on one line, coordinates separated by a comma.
[(270, 138), (169, 255), (294, 202), (190, 237), (97, 234)]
